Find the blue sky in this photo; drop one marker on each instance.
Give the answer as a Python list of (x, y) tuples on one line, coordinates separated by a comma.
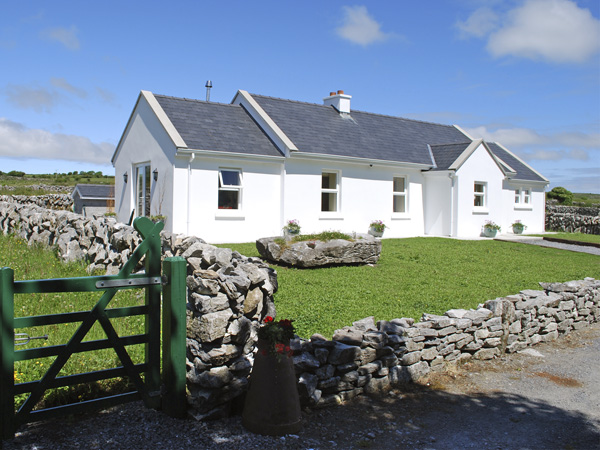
[(525, 73)]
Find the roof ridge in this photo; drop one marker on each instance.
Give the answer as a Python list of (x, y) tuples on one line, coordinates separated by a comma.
[(353, 110), (194, 100), (451, 143)]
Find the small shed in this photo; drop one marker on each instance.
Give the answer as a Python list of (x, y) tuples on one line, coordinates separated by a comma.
[(90, 199)]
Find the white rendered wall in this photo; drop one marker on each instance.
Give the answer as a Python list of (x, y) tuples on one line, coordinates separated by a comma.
[(531, 215), (438, 204), (144, 141), (365, 194), (260, 213), (478, 167)]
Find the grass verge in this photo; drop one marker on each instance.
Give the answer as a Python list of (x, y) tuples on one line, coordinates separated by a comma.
[(37, 263)]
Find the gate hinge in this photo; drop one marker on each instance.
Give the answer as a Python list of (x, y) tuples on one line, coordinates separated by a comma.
[(127, 282)]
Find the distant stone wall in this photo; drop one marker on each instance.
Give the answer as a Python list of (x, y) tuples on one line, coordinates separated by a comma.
[(61, 202), (573, 219), (369, 357), (40, 187)]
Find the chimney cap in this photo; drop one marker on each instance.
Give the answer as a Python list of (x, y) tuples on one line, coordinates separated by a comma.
[(208, 84), (340, 92)]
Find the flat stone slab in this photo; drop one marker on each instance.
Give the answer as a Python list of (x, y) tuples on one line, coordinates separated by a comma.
[(364, 249)]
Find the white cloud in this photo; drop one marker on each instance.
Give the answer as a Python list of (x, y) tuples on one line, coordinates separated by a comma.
[(65, 36), (551, 30), (18, 141), (479, 24), (37, 98), (106, 95), (359, 27), (63, 84), (521, 137), (531, 145)]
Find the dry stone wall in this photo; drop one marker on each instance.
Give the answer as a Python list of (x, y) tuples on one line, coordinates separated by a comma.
[(228, 294), (62, 202), (369, 357), (573, 219)]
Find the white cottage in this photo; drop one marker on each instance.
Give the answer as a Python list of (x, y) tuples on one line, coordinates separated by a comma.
[(237, 172)]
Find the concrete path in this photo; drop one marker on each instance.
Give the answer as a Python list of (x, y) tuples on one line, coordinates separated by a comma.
[(536, 240)]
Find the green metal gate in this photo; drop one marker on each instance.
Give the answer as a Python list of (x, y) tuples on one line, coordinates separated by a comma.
[(148, 388)]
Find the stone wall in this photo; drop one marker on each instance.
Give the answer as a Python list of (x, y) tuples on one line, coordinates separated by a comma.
[(228, 295), (573, 219), (61, 202), (369, 357)]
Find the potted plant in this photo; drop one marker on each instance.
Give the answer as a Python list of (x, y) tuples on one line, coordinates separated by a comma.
[(518, 227), (272, 404), (376, 228), (292, 228), (490, 229)]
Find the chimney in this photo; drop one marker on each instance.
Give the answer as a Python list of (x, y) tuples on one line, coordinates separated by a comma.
[(339, 101)]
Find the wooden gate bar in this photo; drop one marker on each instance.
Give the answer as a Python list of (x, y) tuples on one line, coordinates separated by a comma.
[(7, 361), (174, 336)]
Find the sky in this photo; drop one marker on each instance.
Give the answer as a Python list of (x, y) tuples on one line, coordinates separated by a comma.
[(525, 73)]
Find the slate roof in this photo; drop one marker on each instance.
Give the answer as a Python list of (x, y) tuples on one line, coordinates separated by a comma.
[(445, 155), (524, 172), (315, 128), (216, 126), (95, 191), (321, 129)]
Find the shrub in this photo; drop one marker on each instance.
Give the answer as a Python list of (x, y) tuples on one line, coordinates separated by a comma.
[(562, 195)]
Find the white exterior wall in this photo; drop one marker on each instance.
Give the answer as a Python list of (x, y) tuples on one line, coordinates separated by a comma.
[(144, 141), (438, 203), (365, 194), (196, 208), (478, 167), (532, 215)]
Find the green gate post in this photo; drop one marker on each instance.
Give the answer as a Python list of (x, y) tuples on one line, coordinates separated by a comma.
[(174, 334), (151, 233), (7, 359)]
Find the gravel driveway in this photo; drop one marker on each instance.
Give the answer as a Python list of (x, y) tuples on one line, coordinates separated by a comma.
[(547, 397)]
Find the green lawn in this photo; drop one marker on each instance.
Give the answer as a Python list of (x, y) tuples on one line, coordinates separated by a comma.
[(418, 275), (35, 263)]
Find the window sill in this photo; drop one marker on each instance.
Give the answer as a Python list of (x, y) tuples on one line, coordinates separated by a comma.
[(481, 211), (523, 208), (333, 216), (401, 217), (230, 214)]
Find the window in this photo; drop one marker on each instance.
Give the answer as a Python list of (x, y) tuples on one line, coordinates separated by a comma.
[(480, 195), (329, 191), (230, 189), (399, 195), (142, 176), (522, 197)]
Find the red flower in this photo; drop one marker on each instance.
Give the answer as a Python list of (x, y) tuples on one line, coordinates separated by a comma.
[(287, 323), (279, 348), (268, 319)]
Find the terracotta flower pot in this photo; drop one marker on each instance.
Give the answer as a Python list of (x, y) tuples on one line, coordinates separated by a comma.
[(272, 403)]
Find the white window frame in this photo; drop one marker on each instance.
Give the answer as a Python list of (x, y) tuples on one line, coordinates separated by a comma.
[(523, 198), (222, 187), (328, 191), (397, 194), (143, 176), (483, 195)]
